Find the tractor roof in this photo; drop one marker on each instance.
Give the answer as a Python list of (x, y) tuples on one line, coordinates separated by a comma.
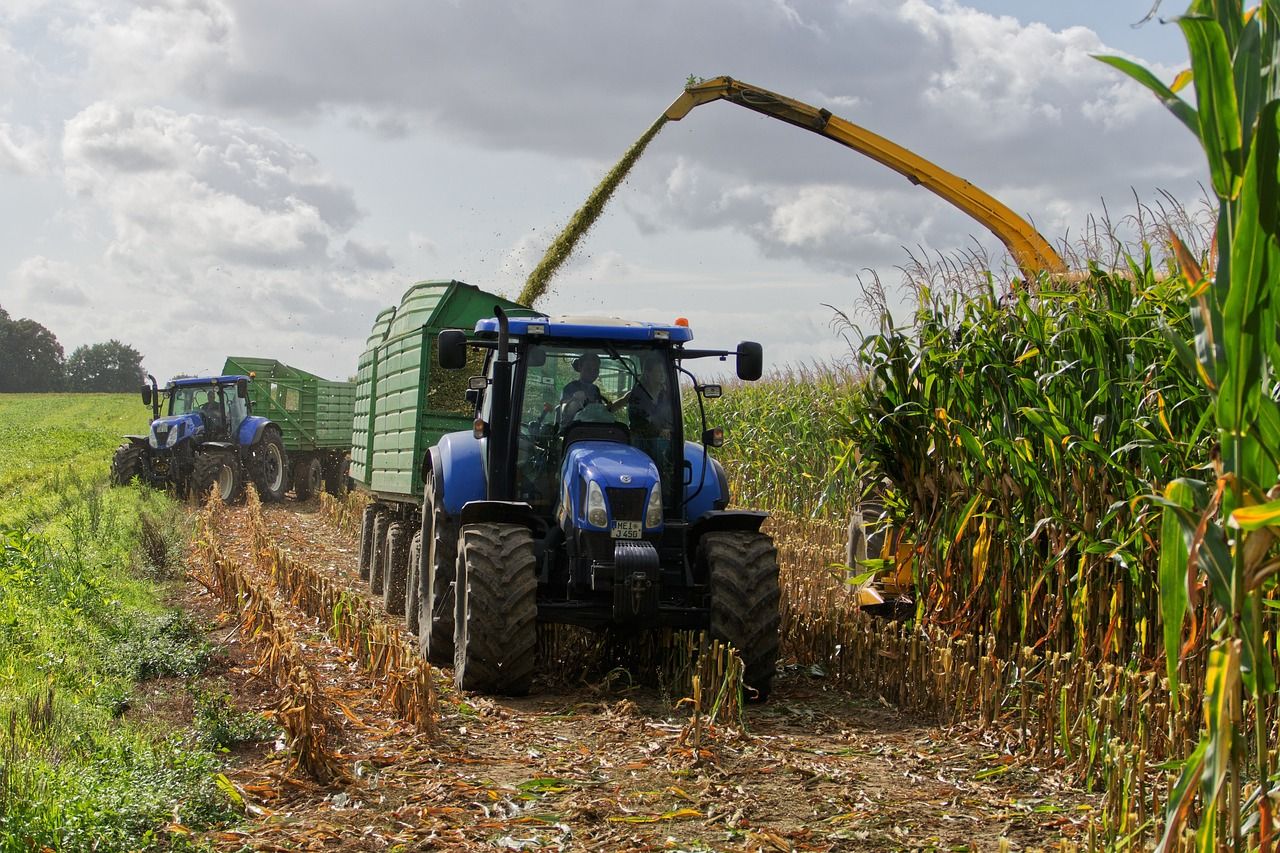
[(206, 380), (589, 328)]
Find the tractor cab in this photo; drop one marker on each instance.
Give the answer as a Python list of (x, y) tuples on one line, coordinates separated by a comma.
[(219, 403)]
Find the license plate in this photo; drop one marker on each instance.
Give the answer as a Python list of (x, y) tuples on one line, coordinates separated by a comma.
[(626, 530)]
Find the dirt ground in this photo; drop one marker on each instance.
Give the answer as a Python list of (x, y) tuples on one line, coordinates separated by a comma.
[(606, 765)]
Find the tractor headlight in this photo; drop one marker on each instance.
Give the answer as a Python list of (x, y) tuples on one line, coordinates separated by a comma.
[(174, 435), (653, 514), (597, 515)]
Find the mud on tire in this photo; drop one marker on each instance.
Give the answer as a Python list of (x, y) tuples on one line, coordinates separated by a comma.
[(267, 467), (126, 464), (497, 609), (308, 477), (221, 469), (436, 573), (742, 568), (393, 570)]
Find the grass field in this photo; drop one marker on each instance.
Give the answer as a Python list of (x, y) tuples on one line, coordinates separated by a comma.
[(83, 571)]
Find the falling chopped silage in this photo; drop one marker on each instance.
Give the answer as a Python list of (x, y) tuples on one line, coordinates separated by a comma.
[(560, 249)]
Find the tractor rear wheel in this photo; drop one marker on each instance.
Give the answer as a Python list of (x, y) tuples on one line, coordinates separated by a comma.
[(412, 581), (743, 571), (436, 573), (379, 556), (366, 539), (268, 466), (497, 609), (219, 469), (393, 572), (126, 464), (308, 477)]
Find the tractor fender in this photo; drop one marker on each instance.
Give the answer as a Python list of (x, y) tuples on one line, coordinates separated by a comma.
[(458, 461), (137, 440), (723, 521), (498, 512), (217, 445), (251, 429), (704, 493)]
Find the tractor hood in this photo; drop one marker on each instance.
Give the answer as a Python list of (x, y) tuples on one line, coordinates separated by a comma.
[(609, 486), (167, 432)]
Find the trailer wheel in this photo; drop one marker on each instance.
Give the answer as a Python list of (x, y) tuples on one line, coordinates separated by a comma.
[(308, 477), (497, 609), (268, 466), (436, 574), (379, 555), (126, 464), (413, 567), (366, 539), (219, 469), (335, 476), (393, 573), (743, 572)]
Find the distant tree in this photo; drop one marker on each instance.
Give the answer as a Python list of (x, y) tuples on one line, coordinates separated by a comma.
[(31, 359), (110, 366)]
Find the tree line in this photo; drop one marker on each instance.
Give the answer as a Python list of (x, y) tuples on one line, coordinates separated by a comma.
[(31, 360)]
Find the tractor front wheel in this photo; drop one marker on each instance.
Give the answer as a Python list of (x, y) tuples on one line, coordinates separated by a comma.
[(743, 571), (126, 465), (497, 609), (308, 478), (218, 469), (269, 466), (436, 573)]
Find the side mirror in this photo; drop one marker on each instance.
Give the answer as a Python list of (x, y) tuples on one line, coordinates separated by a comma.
[(712, 392), (713, 437), (242, 389), (477, 383), (453, 349), (750, 361), (146, 395)]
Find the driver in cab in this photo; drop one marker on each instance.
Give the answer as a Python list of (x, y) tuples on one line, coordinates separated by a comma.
[(583, 391), (211, 411)]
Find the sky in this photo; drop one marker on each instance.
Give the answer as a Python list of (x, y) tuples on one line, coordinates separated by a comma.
[(203, 178)]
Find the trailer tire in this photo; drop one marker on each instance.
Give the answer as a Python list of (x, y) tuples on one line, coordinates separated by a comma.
[(497, 609), (366, 539), (267, 466), (308, 477), (221, 469), (413, 567), (393, 572), (379, 555), (126, 464), (742, 568), (335, 476), (436, 575)]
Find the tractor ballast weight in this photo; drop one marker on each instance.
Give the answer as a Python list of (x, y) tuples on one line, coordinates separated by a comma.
[(577, 500)]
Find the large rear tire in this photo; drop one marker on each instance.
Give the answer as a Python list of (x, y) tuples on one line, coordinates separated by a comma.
[(743, 572), (308, 477), (268, 466), (436, 573), (126, 464), (366, 539), (221, 469), (379, 554), (393, 571), (412, 582), (497, 609)]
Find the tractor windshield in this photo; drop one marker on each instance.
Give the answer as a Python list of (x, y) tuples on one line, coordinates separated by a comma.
[(566, 385)]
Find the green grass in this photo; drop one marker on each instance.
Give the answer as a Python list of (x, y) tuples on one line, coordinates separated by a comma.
[(82, 622)]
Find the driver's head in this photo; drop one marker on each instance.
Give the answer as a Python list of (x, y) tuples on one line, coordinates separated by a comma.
[(655, 370), (588, 367), (208, 396)]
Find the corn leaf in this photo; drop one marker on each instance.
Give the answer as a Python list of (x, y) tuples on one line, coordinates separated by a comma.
[(1174, 581), (1184, 112), (1220, 132)]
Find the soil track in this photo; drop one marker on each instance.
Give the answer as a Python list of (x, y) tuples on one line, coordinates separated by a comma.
[(602, 767)]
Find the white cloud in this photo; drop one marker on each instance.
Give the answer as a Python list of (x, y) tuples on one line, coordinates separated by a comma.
[(47, 281), (22, 151)]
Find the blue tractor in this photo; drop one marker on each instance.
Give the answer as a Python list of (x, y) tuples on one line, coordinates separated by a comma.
[(207, 437), (576, 499)]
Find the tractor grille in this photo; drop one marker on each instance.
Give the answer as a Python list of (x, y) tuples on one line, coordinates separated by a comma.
[(626, 504)]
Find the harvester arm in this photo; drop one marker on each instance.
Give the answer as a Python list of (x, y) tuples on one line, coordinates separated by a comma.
[(1030, 250)]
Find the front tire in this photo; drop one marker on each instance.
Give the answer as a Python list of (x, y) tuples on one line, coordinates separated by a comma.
[(308, 477), (436, 573), (743, 572), (393, 572), (497, 609), (126, 464), (219, 469), (269, 461)]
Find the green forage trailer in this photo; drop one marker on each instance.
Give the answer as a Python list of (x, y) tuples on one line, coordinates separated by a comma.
[(404, 403), (314, 415)]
